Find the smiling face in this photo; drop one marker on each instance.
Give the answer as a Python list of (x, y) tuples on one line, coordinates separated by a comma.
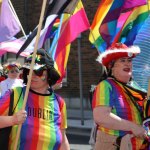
[(122, 69)]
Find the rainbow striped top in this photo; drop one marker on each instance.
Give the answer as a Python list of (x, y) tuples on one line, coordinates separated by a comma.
[(46, 116), (111, 93)]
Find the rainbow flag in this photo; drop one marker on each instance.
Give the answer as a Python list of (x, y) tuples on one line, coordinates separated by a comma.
[(60, 60), (70, 28), (53, 31), (9, 26), (121, 21), (69, 31), (133, 3), (104, 26), (133, 24)]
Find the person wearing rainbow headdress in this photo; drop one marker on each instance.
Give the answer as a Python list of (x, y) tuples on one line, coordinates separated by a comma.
[(46, 122), (11, 70), (118, 104)]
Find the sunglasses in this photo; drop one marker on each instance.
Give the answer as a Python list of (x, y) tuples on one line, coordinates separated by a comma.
[(38, 73), (14, 71)]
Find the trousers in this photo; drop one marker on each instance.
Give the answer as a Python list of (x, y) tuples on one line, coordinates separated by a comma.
[(108, 142)]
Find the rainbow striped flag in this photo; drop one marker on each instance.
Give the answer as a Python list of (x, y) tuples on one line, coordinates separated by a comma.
[(133, 24), (9, 26), (69, 31), (60, 60), (95, 36), (133, 3), (104, 26)]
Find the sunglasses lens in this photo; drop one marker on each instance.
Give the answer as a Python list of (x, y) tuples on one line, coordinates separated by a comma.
[(38, 72), (14, 71), (17, 71)]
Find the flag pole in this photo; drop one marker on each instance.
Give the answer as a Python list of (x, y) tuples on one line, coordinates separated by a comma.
[(17, 19), (31, 70)]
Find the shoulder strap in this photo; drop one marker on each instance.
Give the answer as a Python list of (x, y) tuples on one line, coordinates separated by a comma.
[(11, 103)]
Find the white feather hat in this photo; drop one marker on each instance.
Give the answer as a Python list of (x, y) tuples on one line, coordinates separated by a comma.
[(118, 50)]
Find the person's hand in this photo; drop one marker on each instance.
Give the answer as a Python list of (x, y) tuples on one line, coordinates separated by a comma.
[(139, 131), (19, 117)]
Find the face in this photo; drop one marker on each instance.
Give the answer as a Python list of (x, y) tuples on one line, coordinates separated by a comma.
[(39, 81), (122, 69), (13, 73)]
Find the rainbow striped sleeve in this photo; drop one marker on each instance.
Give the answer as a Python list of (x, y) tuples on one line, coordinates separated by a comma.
[(102, 95), (63, 111)]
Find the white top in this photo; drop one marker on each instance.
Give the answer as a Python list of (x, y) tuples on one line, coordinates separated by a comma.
[(7, 84)]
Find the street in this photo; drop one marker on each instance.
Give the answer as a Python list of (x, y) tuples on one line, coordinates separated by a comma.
[(78, 142)]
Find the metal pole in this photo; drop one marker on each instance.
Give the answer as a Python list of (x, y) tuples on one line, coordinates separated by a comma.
[(80, 80)]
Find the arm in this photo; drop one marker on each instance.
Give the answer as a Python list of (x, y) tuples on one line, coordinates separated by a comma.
[(104, 117), (65, 143), (17, 118)]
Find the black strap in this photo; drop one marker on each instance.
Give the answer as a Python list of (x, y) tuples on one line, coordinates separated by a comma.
[(147, 109), (118, 142), (11, 103), (5, 132)]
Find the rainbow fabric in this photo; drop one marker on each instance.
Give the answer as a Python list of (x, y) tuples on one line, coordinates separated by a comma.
[(133, 3), (95, 36), (113, 94), (104, 26), (54, 29), (46, 116), (69, 31), (60, 62), (133, 24)]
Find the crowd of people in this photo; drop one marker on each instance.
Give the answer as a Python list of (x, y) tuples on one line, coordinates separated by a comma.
[(117, 105)]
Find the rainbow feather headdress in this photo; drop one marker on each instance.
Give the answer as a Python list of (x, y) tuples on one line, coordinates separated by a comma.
[(11, 65)]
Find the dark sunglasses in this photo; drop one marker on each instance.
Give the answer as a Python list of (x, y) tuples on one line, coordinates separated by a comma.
[(37, 72), (14, 71)]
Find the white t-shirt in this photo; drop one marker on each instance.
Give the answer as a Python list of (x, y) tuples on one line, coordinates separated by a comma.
[(7, 84)]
